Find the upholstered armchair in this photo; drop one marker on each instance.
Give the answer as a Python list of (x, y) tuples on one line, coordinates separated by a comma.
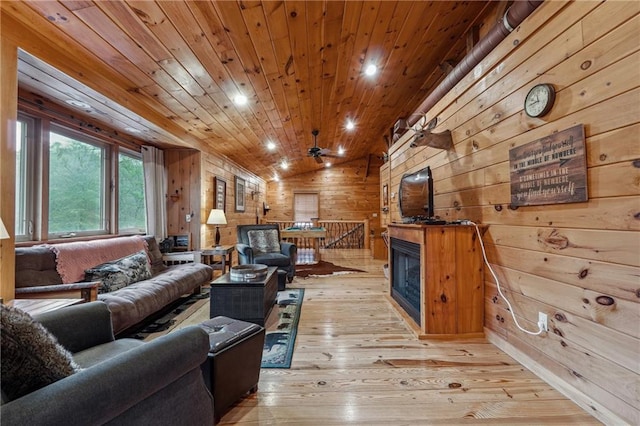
[(261, 244)]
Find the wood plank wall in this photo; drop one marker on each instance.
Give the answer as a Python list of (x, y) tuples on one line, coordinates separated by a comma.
[(216, 166), (190, 176), (347, 191), (578, 263), (183, 190), (385, 216)]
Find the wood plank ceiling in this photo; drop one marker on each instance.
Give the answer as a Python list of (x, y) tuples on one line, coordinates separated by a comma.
[(300, 64)]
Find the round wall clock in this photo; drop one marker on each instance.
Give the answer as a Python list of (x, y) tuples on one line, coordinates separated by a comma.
[(539, 100)]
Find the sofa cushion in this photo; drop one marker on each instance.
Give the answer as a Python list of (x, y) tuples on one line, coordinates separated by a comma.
[(135, 302), (121, 272), (73, 258), (31, 356), (264, 240), (36, 266), (272, 259), (104, 352)]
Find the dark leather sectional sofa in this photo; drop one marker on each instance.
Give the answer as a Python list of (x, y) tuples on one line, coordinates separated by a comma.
[(121, 382)]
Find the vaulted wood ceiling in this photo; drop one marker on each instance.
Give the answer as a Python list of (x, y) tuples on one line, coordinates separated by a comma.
[(171, 70)]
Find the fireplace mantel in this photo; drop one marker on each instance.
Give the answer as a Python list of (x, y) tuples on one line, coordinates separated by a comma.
[(451, 279)]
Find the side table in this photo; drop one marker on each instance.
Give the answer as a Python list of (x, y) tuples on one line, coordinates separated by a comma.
[(177, 258), (226, 257)]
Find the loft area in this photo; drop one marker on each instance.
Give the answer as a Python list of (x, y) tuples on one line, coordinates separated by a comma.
[(539, 251)]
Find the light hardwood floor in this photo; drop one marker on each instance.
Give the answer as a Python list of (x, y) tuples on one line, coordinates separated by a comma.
[(356, 362)]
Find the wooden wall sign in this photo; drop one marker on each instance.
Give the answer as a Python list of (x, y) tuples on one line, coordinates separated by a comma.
[(550, 170)]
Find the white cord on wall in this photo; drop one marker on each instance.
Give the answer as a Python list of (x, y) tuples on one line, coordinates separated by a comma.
[(541, 328)]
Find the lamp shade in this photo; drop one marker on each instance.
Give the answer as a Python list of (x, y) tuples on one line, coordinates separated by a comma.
[(217, 217), (3, 231)]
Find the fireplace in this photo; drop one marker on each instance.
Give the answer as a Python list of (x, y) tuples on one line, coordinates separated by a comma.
[(405, 276), (436, 278)]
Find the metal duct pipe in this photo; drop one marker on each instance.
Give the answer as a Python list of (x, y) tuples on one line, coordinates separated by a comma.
[(514, 16)]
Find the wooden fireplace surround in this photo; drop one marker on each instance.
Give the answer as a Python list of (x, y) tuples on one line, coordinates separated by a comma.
[(451, 279)]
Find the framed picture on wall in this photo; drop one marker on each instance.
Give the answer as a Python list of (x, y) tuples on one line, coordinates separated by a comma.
[(241, 186), (220, 194)]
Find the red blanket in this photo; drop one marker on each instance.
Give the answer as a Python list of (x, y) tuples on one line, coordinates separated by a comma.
[(73, 258)]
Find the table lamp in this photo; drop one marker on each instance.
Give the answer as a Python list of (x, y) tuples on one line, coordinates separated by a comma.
[(3, 231), (217, 217)]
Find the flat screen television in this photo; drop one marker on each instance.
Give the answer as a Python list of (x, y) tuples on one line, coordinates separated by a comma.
[(416, 195)]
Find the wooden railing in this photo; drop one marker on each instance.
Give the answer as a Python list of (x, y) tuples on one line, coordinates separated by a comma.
[(344, 235), (341, 234)]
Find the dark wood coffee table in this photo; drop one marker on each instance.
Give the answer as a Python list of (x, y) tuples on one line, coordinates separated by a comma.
[(250, 302)]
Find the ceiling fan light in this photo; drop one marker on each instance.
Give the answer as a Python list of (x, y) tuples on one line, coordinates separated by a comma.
[(371, 69)]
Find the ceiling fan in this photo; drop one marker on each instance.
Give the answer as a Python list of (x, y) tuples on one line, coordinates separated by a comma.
[(315, 151)]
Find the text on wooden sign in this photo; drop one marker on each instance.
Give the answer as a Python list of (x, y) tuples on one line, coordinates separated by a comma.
[(550, 170)]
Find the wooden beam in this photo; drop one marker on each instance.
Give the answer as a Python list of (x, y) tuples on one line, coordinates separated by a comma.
[(9, 111), (366, 171)]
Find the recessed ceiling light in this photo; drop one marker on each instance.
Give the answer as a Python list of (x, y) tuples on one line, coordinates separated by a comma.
[(350, 125), (271, 146), (78, 104), (284, 165), (327, 165), (240, 100), (276, 178), (340, 150), (371, 69)]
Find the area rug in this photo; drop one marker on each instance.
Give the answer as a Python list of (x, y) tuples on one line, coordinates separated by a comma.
[(323, 268), (281, 329)]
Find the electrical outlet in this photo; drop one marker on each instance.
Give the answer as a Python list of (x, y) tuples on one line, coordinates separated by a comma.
[(188, 218), (542, 321)]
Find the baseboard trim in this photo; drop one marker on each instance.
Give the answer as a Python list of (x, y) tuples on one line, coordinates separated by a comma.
[(588, 404)]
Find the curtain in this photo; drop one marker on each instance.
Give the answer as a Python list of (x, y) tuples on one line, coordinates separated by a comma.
[(155, 189)]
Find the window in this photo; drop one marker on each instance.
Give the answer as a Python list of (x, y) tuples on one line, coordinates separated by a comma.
[(305, 206), (25, 136), (77, 188), (66, 183), (131, 202)]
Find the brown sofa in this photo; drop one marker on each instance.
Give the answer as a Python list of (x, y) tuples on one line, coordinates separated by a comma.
[(36, 276)]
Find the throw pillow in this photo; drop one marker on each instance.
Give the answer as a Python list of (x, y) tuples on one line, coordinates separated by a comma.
[(264, 240), (31, 356), (121, 272)]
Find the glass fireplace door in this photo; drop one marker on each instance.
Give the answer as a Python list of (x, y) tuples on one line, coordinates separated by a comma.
[(405, 272)]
